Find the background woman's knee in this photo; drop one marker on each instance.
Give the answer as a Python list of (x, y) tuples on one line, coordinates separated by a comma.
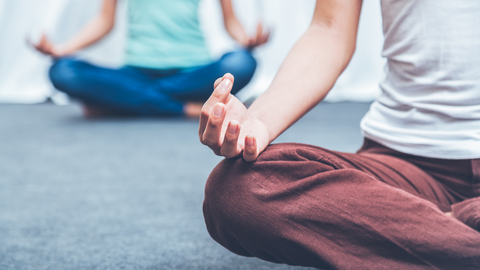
[(63, 74), (242, 65)]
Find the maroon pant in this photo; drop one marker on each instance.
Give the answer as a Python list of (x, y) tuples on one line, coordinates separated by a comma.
[(377, 209)]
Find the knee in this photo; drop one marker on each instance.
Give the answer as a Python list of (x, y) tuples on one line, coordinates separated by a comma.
[(242, 62), (229, 207), (237, 189), (250, 207), (63, 74)]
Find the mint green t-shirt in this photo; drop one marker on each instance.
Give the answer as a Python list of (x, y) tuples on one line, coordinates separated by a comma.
[(165, 34)]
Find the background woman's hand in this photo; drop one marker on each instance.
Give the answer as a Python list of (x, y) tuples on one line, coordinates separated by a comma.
[(261, 37), (228, 128), (46, 47), (97, 28), (236, 31)]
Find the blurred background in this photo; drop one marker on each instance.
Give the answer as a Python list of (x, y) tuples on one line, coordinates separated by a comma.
[(23, 71)]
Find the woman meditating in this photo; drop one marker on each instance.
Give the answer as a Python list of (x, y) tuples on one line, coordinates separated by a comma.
[(408, 199), (168, 69)]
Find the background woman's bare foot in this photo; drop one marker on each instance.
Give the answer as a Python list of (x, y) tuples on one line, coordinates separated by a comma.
[(192, 109)]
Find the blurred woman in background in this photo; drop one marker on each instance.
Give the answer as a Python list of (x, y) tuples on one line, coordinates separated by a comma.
[(167, 67)]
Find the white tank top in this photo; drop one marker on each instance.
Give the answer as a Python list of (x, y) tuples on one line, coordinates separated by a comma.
[(430, 101)]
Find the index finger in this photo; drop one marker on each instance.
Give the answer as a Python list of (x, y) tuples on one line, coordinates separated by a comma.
[(259, 32), (220, 94), (265, 37)]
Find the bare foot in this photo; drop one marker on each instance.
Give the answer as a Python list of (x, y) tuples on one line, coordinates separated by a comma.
[(192, 109)]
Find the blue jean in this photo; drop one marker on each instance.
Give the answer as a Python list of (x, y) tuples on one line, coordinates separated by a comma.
[(148, 92)]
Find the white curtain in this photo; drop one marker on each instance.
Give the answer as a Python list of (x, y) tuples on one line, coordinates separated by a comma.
[(23, 72)]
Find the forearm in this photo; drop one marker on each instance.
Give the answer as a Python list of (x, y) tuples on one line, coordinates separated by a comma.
[(232, 25), (91, 33), (305, 77), (95, 30), (236, 31)]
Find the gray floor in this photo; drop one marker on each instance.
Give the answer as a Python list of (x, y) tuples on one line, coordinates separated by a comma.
[(122, 193)]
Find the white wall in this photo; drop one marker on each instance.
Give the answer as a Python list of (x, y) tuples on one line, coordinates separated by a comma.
[(23, 72)]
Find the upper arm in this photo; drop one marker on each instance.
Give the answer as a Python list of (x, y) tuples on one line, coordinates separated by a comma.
[(108, 12), (340, 17)]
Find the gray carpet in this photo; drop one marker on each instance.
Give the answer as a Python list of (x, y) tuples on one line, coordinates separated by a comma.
[(122, 193)]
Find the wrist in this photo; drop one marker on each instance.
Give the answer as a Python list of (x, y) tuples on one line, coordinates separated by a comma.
[(268, 129), (237, 33), (61, 51)]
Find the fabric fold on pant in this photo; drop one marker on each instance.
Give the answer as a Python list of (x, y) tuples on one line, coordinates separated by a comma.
[(468, 212)]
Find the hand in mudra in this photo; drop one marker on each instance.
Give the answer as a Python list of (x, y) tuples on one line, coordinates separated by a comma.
[(46, 47), (228, 128)]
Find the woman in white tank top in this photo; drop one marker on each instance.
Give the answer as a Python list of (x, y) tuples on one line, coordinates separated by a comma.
[(409, 199)]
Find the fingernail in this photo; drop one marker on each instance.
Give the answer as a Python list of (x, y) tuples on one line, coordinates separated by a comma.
[(232, 129), (249, 141), (218, 110), (224, 85)]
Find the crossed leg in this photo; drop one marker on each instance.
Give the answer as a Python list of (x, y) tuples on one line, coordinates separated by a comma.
[(136, 91), (304, 205)]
